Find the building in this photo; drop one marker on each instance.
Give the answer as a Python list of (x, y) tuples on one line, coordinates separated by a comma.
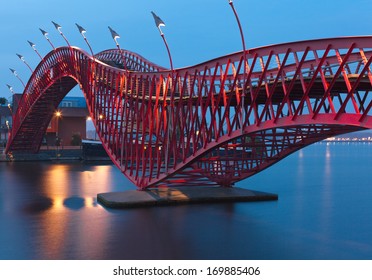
[(68, 125)]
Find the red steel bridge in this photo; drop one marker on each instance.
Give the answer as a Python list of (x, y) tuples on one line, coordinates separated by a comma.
[(215, 123)]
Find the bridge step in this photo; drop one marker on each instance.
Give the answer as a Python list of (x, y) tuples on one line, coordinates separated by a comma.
[(181, 195)]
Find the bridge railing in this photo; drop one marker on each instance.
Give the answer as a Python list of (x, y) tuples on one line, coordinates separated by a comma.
[(155, 122)]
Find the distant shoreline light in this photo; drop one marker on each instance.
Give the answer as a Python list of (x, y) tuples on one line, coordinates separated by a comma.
[(349, 139)]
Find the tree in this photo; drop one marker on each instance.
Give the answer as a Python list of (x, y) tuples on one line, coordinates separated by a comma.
[(76, 139), (3, 101)]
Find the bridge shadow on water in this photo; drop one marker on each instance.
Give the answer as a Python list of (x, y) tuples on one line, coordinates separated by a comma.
[(39, 204), (74, 203)]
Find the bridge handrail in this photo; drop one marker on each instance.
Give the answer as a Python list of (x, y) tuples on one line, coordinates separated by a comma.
[(318, 44), (216, 103)]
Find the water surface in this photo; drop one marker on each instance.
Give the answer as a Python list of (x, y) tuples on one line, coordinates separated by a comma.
[(324, 211)]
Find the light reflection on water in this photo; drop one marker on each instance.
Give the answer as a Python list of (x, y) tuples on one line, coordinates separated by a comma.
[(49, 211)]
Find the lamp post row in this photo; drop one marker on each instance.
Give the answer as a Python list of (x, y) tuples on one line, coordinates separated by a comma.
[(158, 22), (82, 31)]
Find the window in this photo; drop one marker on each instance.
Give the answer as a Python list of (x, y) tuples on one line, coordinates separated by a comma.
[(66, 104)]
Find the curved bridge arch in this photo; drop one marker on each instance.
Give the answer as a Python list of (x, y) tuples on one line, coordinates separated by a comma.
[(210, 123)]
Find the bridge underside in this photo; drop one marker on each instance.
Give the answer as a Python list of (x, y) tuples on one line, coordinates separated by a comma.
[(255, 152), (33, 128)]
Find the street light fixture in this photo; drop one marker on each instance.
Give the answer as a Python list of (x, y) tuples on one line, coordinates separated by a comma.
[(34, 48), (239, 24), (58, 115), (245, 69), (12, 91), (24, 61), (15, 74), (82, 32), (116, 36), (45, 34), (58, 27), (159, 23), (10, 88)]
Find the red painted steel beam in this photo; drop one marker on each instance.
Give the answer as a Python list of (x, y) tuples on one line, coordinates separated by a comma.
[(186, 128)]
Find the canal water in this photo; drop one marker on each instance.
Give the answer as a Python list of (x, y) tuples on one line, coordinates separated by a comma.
[(324, 211)]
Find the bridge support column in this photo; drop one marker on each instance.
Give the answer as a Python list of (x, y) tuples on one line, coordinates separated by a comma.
[(181, 195)]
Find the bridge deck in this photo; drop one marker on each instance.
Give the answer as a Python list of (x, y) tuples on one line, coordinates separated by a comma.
[(317, 91), (194, 124)]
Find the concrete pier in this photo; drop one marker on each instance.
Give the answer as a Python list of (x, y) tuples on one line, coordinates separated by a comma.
[(181, 195)]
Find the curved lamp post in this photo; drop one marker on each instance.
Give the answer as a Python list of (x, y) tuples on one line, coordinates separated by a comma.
[(82, 32), (34, 48), (116, 36), (244, 61), (24, 61), (58, 27), (15, 74), (10, 107), (10, 88), (45, 34), (159, 23), (12, 91)]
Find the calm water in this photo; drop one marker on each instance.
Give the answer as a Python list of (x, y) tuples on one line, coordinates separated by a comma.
[(324, 211)]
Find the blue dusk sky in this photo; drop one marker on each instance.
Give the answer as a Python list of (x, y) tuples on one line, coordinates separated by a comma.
[(195, 30)]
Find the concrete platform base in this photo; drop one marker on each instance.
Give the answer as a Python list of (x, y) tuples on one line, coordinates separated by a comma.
[(172, 196)]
